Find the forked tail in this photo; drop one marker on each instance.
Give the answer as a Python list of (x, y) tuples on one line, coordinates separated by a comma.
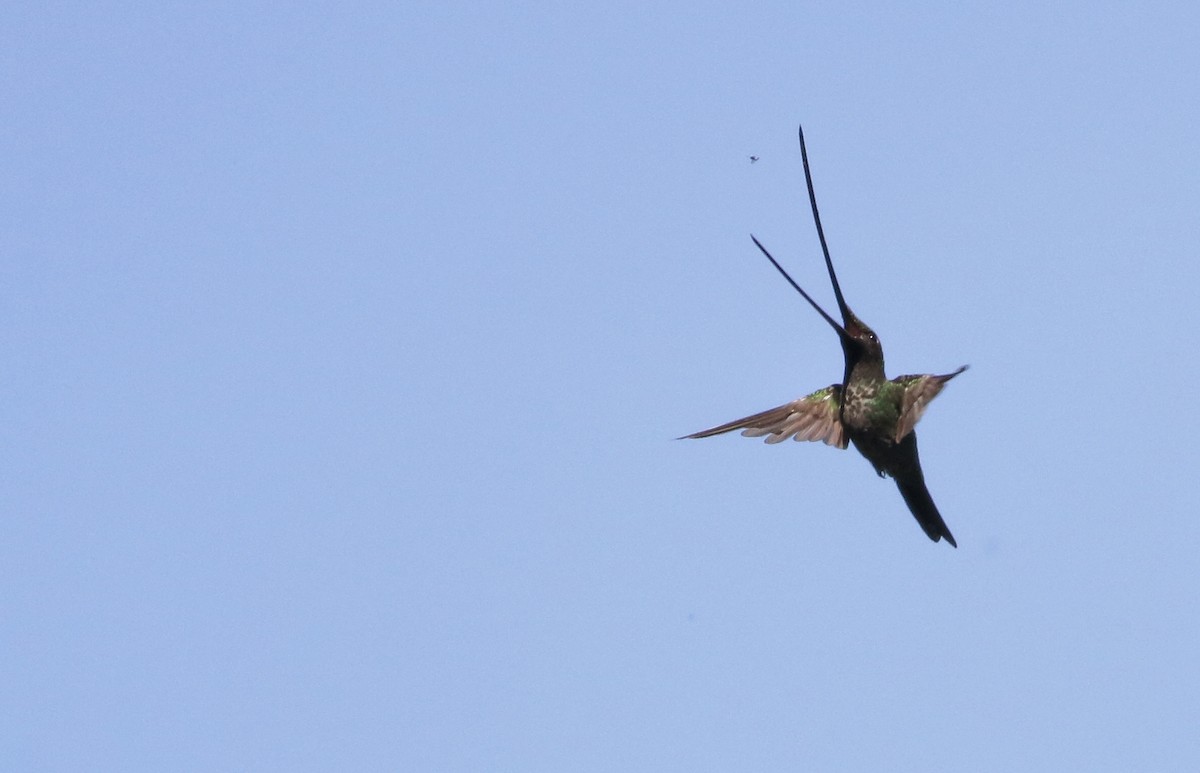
[(916, 496)]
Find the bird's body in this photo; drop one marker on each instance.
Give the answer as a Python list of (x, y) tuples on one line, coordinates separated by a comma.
[(879, 417), (876, 415), (866, 409)]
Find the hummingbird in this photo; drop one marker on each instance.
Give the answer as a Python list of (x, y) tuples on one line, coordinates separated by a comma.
[(867, 409)]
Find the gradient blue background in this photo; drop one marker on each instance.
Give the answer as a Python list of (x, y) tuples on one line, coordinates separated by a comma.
[(343, 346)]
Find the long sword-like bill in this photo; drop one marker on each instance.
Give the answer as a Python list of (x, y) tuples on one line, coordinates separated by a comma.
[(812, 199), (841, 331)]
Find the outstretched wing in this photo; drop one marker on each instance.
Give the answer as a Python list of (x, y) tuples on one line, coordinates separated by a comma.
[(919, 391), (814, 417)]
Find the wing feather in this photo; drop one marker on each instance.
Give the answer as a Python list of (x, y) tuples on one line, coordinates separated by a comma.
[(813, 417), (919, 391)]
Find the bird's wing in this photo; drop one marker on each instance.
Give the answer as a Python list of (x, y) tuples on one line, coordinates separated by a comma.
[(814, 417), (919, 391)]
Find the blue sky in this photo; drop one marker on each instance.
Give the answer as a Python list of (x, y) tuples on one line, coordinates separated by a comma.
[(344, 348)]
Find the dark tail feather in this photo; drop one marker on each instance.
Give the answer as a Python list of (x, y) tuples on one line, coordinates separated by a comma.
[(916, 496)]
